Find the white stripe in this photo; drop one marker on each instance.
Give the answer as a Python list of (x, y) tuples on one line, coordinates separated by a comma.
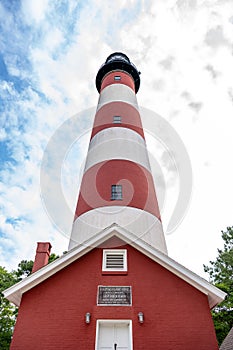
[(117, 92), (141, 223), (116, 132), (117, 143)]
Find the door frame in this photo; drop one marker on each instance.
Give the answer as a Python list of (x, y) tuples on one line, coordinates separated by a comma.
[(102, 321)]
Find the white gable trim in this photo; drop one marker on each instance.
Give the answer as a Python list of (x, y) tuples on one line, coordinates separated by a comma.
[(14, 293)]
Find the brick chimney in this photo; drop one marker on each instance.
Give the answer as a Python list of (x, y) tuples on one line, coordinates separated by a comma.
[(42, 255)]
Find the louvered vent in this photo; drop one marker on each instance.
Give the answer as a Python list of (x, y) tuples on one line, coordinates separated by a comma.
[(114, 260)]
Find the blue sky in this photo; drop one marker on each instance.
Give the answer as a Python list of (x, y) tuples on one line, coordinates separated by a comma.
[(50, 52)]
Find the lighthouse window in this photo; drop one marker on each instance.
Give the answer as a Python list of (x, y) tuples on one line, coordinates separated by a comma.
[(117, 77), (116, 119), (116, 192), (114, 260)]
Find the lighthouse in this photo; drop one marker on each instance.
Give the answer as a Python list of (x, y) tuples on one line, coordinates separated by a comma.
[(116, 288), (117, 185)]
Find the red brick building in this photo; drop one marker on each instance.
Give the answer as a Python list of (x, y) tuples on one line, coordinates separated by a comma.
[(116, 287)]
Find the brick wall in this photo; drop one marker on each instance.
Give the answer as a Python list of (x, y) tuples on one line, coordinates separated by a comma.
[(176, 315)]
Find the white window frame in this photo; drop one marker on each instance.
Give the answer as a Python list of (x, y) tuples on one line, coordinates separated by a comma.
[(116, 192), (116, 252), (117, 119), (111, 321)]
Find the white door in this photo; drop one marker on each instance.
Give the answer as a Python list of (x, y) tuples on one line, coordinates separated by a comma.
[(113, 336)]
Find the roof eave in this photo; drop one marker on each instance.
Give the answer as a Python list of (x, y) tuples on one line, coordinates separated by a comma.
[(14, 293)]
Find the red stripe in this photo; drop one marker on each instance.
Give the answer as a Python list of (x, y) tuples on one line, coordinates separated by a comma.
[(137, 184), (126, 79), (130, 117)]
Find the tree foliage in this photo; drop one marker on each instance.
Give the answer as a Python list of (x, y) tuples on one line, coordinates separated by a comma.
[(8, 312), (221, 275)]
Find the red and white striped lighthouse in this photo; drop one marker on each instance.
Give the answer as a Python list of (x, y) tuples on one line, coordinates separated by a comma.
[(117, 185)]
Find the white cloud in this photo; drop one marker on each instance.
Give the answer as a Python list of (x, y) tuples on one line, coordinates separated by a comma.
[(34, 10)]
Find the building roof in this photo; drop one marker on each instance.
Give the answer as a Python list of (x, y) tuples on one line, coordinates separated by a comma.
[(227, 343), (14, 293)]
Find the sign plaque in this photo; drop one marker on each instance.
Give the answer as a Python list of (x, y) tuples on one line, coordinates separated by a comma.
[(114, 295)]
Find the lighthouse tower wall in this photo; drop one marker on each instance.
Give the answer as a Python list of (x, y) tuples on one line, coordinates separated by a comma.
[(118, 156)]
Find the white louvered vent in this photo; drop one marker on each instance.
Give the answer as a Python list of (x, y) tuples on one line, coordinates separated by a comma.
[(114, 260)]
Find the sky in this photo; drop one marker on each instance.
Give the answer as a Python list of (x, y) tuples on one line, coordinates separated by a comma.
[(50, 52)]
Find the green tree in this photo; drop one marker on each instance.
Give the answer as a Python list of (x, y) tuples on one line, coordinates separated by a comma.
[(8, 312), (53, 257), (24, 269), (221, 275)]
